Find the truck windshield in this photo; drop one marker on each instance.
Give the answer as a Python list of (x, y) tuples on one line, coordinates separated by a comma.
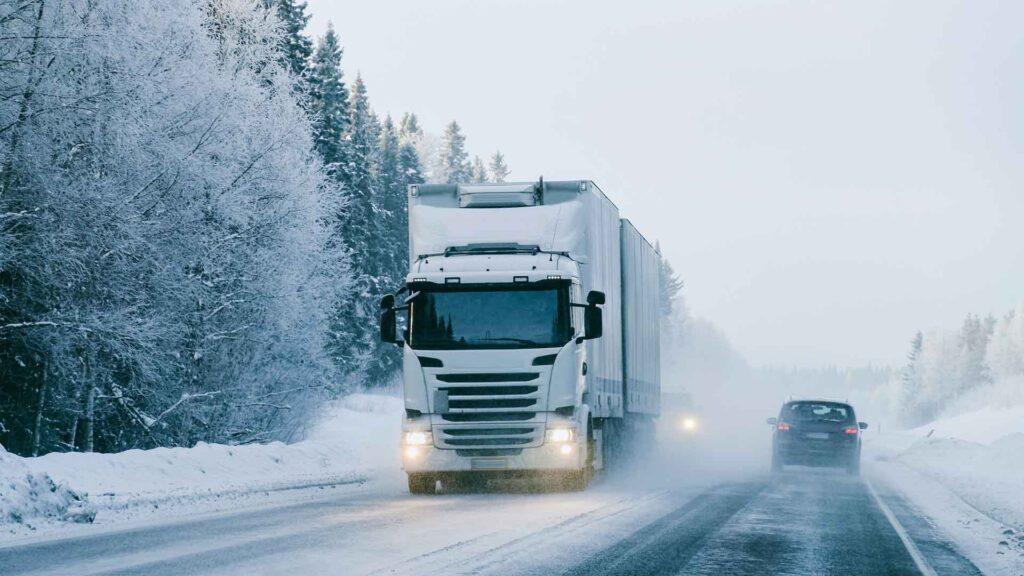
[(478, 318)]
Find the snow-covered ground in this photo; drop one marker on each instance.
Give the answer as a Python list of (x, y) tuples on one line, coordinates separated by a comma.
[(356, 440), (967, 473)]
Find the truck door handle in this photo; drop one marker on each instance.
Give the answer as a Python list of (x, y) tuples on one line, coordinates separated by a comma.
[(584, 368)]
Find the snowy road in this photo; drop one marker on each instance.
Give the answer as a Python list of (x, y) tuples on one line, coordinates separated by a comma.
[(800, 522)]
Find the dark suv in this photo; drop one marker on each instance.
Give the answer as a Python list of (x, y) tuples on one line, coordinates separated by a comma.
[(816, 433)]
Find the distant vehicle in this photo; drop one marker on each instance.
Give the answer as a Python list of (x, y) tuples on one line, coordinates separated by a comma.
[(816, 433), (530, 346)]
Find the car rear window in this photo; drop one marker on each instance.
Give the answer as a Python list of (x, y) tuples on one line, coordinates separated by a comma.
[(817, 412)]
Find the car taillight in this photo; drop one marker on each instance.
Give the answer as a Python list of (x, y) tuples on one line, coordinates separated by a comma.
[(782, 427), (851, 430)]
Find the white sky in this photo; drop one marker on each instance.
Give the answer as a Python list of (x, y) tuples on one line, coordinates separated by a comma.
[(827, 177)]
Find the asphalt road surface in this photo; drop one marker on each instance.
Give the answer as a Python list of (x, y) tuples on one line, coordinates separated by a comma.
[(800, 522)]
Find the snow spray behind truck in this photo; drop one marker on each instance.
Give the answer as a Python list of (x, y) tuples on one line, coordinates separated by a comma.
[(530, 334)]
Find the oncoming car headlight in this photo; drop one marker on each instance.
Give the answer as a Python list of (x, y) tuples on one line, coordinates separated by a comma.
[(417, 438), (561, 434)]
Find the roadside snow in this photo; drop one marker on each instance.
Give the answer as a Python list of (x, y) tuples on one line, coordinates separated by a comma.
[(26, 495), (977, 458), (356, 440)]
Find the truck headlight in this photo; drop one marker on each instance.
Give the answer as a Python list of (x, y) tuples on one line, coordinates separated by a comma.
[(561, 434), (418, 439)]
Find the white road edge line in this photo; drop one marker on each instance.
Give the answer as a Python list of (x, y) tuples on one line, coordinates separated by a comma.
[(915, 553)]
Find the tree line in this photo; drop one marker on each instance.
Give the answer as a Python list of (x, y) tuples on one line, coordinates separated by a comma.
[(198, 214), (984, 358)]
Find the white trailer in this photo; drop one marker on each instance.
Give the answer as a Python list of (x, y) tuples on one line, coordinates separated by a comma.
[(530, 334)]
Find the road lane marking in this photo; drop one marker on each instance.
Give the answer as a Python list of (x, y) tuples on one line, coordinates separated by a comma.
[(915, 552)]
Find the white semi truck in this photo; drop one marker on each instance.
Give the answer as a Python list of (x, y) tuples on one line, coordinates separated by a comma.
[(529, 327)]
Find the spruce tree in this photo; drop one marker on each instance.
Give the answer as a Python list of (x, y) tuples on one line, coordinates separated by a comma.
[(910, 381), (478, 171), (328, 104), (409, 127), (498, 169), (363, 230), (454, 159), (669, 284), (296, 48)]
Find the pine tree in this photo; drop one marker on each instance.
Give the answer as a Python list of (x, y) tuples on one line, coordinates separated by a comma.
[(363, 230), (498, 169), (296, 47), (328, 103), (973, 340), (454, 159), (393, 203), (669, 284), (478, 171), (910, 381), (363, 136), (409, 127)]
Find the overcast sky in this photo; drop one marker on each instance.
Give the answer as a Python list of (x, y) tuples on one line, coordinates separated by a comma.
[(827, 177)]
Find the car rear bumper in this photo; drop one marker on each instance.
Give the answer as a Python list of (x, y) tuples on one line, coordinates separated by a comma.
[(816, 455)]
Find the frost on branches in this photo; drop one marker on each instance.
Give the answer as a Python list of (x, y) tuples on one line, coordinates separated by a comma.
[(166, 267)]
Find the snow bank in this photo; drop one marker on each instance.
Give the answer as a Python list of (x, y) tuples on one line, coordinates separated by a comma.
[(27, 495), (979, 456), (357, 439)]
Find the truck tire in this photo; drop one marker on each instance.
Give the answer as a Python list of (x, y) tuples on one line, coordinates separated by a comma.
[(422, 484), (575, 480)]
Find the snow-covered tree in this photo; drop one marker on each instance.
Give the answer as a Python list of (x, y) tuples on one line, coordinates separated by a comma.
[(296, 48), (498, 169), (972, 371), (910, 393), (455, 166), (478, 172), (1006, 351), (669, 284), (328, 104), (166, 266)]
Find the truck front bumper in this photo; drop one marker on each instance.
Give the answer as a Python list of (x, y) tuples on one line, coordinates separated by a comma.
[(548, 456)]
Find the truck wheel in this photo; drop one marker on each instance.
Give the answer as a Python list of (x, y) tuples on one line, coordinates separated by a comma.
[(422, 484), (575, 480)]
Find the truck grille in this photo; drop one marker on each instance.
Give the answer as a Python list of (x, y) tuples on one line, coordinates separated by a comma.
[(489, 437), (491, 410)]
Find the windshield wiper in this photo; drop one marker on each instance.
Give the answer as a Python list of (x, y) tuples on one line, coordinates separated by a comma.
[(516, 340)]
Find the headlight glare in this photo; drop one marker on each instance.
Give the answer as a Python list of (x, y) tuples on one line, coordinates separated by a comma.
[(561, 434), (418, 438)]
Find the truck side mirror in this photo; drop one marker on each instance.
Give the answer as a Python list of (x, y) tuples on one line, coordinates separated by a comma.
[(592, 322), (388, 326), (862, 425), (387, 302), (772, 421), (595, 298)]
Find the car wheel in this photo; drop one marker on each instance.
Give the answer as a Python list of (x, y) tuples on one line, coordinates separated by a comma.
[(422, 484), (853, 468)]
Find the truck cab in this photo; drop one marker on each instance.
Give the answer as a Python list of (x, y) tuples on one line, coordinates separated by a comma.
[(500, 322)]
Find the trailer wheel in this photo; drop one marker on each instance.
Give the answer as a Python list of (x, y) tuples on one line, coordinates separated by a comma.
[(422, 484)]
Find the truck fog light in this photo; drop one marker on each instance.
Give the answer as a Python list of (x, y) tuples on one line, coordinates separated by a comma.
[(566, 449), (418, 438), (561, 435), (411, 452)]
